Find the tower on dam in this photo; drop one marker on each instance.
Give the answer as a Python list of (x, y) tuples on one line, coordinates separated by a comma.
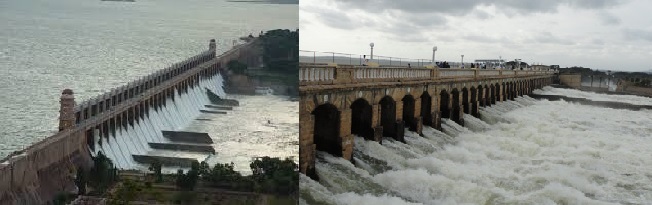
[(66, 112)]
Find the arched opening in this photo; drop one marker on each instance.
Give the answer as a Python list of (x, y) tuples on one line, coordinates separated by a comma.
[(443, 105), (361, 116), (465, 101), (481, 95), (426, 112), (388, 116), (327, 128), (456, 115), (408, 112), (474, 103), (492, 95), (497, 93)]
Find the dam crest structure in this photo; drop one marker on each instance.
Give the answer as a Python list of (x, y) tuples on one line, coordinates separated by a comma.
[(340, 101), (132, 125)]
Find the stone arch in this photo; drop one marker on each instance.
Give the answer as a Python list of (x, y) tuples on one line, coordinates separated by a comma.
[(408, 112), (327, 129), (465, 101), (426, 105), (444, 104), (388, 116), (474, 102), (481, 96), (456, 111), (361, 119)]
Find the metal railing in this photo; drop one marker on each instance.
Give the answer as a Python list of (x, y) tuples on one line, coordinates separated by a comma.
[(318, 57)]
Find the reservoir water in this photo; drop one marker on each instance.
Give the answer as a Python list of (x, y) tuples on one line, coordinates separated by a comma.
[(93, 46), (525, 151)]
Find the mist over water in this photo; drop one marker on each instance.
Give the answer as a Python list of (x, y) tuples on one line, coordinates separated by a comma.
[(91, 46), (525, 151)]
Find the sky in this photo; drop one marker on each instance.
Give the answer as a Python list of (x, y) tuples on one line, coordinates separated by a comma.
[(599, 34)]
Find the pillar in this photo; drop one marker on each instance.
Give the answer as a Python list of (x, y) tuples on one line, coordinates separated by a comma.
[(400, 124), (307, 147), (418, 119), (375, 123), (345, 133), (66, 110)]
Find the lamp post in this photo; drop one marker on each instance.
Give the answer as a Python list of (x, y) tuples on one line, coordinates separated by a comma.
[(372, 50), (434, 49), (462, 65), (608, 78)]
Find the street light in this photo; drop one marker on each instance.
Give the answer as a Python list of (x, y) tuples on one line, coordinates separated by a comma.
[(462, 65), (372, 50), (433, 54)]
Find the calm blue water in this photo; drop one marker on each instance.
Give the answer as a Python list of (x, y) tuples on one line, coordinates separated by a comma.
[(91, 46)]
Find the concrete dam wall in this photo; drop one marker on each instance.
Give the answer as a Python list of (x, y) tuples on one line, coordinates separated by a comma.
[(126, 124)]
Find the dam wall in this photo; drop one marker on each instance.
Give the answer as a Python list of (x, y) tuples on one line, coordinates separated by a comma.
[(114, 123)]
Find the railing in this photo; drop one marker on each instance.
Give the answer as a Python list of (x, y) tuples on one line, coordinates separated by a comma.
[(489, 72), (380, 73), (456, 72), (310, 74), (317, 57), (316, 73)]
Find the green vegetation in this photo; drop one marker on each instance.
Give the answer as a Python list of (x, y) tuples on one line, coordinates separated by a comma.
[(126, 193), (237, 67), (103, 174), (276, 176), (281, 50), (63, 199), (156, 168)]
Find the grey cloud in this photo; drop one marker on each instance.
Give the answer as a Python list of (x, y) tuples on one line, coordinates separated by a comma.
[(461, 7), (547, 37), (638, 34), (331, 17), (608, 18)]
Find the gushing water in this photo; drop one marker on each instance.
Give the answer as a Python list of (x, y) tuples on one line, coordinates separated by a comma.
[(519, 152), (175, 115)]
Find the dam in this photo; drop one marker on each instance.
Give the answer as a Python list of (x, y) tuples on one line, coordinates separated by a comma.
[(131, 124), (465, 137)]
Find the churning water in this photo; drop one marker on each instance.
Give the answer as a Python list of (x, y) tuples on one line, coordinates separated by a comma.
[(91, 46), (525, 151)]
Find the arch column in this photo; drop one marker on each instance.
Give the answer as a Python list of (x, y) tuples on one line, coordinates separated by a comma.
[(418, 119), (375, 123), (307, 146), (399, 123), (474, 102), (435, 114), (345, 133)]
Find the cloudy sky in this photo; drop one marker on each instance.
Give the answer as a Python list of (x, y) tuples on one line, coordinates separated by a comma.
[(600, 34)]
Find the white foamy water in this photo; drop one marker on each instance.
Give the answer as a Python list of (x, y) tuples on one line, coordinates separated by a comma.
[(521, 152), (631, 99)]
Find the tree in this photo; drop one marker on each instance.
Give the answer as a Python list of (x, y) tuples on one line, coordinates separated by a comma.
[(156, 168), (125, 194), (102, 174), (236, 67), (275, 175), (80, 180), (281, 50), (188, 181)]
